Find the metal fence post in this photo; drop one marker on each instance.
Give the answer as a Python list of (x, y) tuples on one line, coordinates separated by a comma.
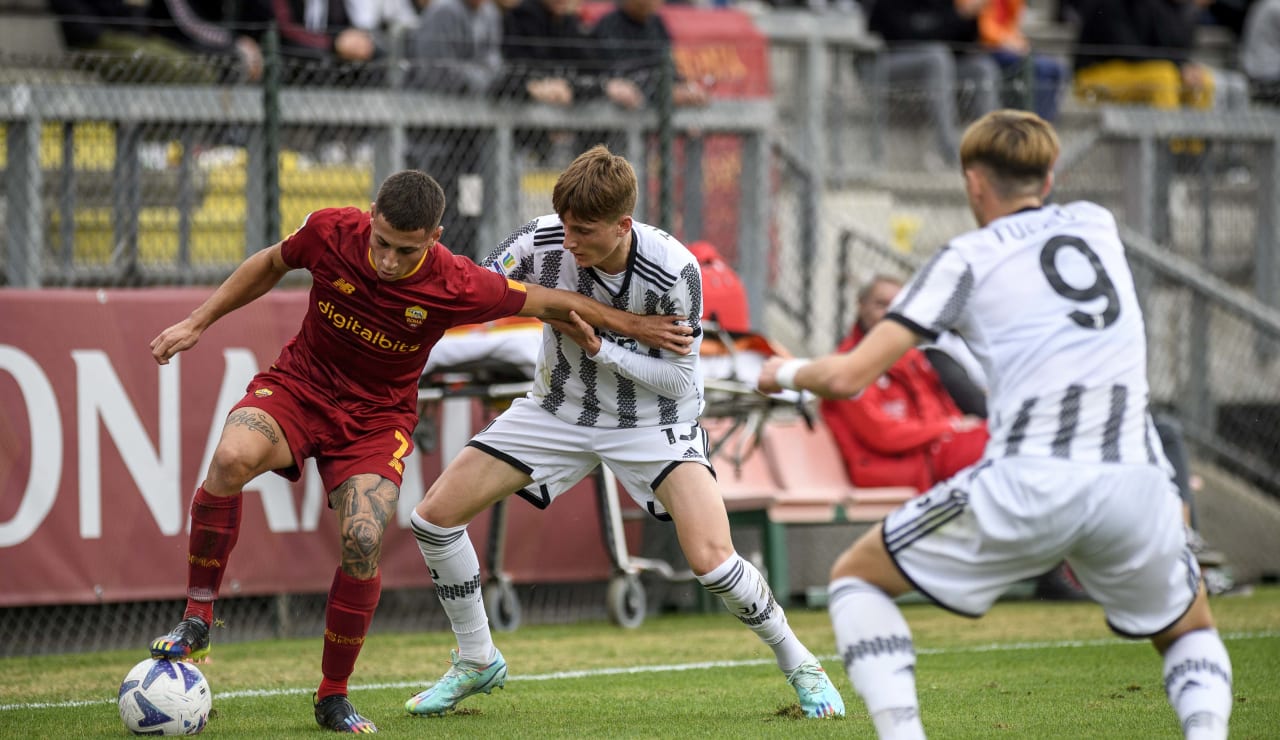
[(693, 197), (506, 183), (187, 201), (24, 184), (391, 140), (255, 227), (753, 232), (271, 138), (126, 202), (635, 137), (1267, 239), (1140, 195), (666, 139), (816, 76), (67, 200)]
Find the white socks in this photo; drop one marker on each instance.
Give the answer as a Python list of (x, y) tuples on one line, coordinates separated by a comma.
[(747, 597), (455, 570), (874, 643), (1197, 680)]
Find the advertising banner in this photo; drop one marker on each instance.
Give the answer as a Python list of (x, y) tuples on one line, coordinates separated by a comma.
[(101, 451)]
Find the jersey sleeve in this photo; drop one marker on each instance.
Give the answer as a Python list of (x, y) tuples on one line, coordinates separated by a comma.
[(670, 375), (303, 247), (514, 256), (933, 300), (488, 295)]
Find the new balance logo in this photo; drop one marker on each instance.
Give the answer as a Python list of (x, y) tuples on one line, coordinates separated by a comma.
[(344, 286)]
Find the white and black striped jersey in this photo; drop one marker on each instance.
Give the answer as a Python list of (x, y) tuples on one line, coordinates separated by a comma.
[(662, 277), (1045, 300)]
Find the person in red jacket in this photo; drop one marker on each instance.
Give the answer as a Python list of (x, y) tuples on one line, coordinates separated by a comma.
[(904, 429)]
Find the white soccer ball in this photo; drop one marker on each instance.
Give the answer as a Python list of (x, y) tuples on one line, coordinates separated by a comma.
[(164, 697)]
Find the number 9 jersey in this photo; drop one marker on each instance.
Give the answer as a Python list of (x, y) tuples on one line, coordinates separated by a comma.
[(1045, 300)]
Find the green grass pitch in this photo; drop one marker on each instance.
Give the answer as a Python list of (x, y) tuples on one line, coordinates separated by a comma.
[(1027, 670)]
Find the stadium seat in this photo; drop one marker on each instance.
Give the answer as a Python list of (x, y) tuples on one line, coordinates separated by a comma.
[(746, 484), (794, 477), (816, 486)]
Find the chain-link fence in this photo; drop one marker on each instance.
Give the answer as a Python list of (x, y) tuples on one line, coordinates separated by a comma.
[(807, 171), (159, 178)]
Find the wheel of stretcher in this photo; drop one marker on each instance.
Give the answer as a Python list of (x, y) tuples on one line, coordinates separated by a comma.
[(503, 606), (626, 601)]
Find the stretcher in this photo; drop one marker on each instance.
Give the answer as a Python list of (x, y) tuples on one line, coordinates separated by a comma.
[(494, 363)]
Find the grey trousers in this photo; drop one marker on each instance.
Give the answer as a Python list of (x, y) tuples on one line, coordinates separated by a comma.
[(931, 72)]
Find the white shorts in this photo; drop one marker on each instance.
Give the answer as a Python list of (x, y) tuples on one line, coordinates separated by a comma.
[(970, 538), (557, 454)]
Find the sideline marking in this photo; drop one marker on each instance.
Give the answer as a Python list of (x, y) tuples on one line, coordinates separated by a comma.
[(561, 675)]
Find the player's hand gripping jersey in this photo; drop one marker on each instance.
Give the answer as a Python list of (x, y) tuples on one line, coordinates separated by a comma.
[(626, 384), (364, 340), (1067, 375)]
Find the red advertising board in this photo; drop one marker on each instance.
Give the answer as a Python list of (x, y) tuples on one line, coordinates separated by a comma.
[(101, 451), (719, 47)]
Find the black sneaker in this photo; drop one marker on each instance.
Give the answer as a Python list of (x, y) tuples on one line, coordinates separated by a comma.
[(187, 641), (336, 713)]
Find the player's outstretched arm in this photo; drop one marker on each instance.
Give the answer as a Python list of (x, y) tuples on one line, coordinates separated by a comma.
[(840, 375), (253, 278), (670, 376), (662, 332)]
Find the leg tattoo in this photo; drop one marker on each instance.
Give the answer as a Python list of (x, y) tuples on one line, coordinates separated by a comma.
[(365, 505)]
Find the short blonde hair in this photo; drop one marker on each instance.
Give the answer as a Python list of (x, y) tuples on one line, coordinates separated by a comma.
[(1018, 149), (597, 186)]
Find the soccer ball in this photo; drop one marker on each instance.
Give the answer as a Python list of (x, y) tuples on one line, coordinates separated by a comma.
[(163, 697)]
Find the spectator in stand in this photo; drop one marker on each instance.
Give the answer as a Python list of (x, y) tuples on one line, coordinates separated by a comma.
[(549, 58), (138, 49), (319, 38), (904, 429), (201, 26), (378, 16), (1260, 51), (456, 49), (1139, 51), (1000, 30), (931, 50), (547, 52), (635, 43)]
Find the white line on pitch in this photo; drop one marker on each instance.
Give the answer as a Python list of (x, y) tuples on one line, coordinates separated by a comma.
[(587, 673)]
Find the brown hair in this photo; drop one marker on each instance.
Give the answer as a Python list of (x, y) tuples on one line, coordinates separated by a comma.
[(597, 186), (410, 200), (1016, 147)]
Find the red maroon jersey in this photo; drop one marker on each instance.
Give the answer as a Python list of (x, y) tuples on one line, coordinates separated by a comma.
[(364, 340)]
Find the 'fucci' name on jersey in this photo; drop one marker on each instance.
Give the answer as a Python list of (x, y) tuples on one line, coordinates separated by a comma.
[(374, 337)]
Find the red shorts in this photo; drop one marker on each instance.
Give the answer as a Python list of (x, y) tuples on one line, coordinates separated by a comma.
[(343, 444)]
